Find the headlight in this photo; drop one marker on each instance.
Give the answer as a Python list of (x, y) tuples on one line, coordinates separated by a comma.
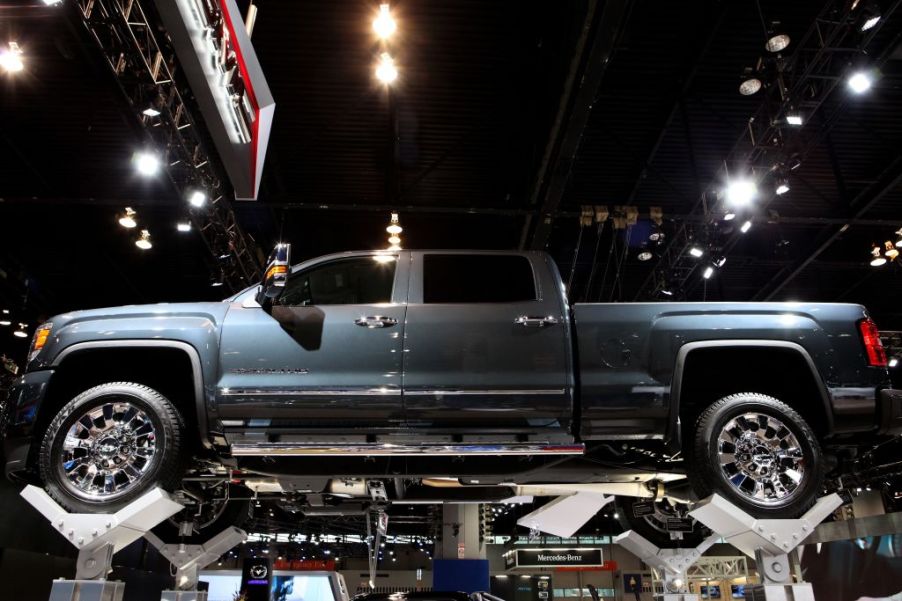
[(41, 335)]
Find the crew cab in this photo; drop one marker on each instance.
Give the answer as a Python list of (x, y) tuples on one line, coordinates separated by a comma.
[(449, 375)]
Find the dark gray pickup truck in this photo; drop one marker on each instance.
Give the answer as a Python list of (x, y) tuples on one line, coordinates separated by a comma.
[(449, 375)]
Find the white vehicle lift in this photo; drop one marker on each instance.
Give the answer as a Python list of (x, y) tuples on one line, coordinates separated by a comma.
[(769, 541), (188, 560), (99, 536)]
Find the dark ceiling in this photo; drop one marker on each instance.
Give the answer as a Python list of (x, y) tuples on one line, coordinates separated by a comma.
[(487, 92)]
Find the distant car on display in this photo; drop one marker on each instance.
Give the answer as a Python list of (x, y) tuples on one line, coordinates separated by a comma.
[(370, 377)]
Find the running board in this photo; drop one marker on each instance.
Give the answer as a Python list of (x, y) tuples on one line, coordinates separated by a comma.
[(296, 449)]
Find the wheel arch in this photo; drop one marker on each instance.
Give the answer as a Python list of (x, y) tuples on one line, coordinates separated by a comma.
[(822, 416), (198, 415)]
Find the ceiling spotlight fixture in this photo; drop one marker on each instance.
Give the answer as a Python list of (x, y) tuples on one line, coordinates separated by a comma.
[(394, 227), (893, 362), (870, 16), (890, 252), (384, 25), (719, 261), (741, 192), (183, 226), (52, 2), (877, 259), (394, 240), (782, 186), (860, 82), (151, 112), (127, 219), (197, 198), (750, 86), (696, 252), (386, 72), (729, 216), (794, 118), (11, 58), (146, 163), (746, 226), (143, 242), (645, 255), (666, 292), (21, 331), (898, 242), (5, 321), (777, 43), (708, 272)]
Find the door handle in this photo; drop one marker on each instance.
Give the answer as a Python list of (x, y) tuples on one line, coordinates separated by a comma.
[(528, 321), (376, 322)]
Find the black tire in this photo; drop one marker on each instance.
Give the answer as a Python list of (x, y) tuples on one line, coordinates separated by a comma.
[(230, 513), (708, 477), (653, 526), (166, 461)]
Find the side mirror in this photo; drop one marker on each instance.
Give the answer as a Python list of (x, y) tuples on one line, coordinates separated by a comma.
[(275, 275)]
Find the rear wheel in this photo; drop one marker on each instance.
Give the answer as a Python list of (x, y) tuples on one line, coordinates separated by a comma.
[(109, 445), (662, 523), (759, 454)]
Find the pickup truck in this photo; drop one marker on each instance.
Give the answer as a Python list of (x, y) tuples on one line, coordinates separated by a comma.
[(440, 375)]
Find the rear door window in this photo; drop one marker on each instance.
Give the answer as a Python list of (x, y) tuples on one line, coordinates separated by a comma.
[(459, 278)]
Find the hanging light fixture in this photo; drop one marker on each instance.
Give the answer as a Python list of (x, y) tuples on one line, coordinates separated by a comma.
[(891, 251), (645, 255), (21, 331), (127, 218), (877, 259), (899, 241), (394, 229), (384, 25), (143, 242), (386, 71), (777, 43), (11, 58)]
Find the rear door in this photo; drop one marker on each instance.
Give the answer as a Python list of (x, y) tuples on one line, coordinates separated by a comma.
[(328, 353), (485, 344)]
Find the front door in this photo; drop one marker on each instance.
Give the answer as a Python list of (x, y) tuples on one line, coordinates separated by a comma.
[(485, 345), (327, 354)]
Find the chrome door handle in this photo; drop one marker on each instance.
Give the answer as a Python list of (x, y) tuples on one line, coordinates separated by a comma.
[(528, 321), (376, 322)]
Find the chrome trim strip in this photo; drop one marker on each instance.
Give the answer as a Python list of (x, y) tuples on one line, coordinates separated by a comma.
[(310, 392), (497, 392), (291, 448)]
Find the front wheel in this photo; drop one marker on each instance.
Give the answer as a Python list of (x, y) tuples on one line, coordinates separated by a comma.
[(759, 454), (109, 445)]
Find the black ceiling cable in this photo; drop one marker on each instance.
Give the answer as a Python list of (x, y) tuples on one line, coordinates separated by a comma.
[(588, 290), (579, 241)]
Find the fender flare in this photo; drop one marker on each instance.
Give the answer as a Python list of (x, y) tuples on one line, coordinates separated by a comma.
[(676, 384), (193, 356)]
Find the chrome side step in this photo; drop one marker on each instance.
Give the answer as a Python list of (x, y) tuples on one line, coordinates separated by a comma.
[(259, 449)]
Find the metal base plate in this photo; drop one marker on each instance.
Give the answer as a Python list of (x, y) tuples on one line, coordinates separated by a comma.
[(87, 590)]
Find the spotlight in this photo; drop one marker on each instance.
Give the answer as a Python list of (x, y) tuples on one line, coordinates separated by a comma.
[(146, 163), (898, 242), (5, 322), (729, 216), (870, 22), (860, 82), (782, 186), (777, 43), (394, 227), (719, 261), (870, 16), (384, 25), (794, 119), (386, 72), (891, 251), (197, 198), (741, 192), (21, 331), (143, 242), (151, 112), (183, 226), (709, 271), (750, 86), (877, 259), (893, 362), (666, 292), (394, 240), (746, 227), (11, 58), (645, 255), (127, 219), (696, 252), (52, 2)]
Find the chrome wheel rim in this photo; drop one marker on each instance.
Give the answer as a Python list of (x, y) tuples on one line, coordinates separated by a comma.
[(108, 451), (761, 458)]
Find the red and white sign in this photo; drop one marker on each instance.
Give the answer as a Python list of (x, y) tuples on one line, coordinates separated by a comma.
[(221, 66), (461, 550)]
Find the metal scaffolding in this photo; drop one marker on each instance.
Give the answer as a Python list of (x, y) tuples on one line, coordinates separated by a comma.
[(144, 67)]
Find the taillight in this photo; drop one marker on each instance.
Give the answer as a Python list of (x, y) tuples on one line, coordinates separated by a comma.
[(870, 336)]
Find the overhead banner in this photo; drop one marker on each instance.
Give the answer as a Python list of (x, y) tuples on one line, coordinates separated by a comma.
[(553, 558), (218, 60)]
